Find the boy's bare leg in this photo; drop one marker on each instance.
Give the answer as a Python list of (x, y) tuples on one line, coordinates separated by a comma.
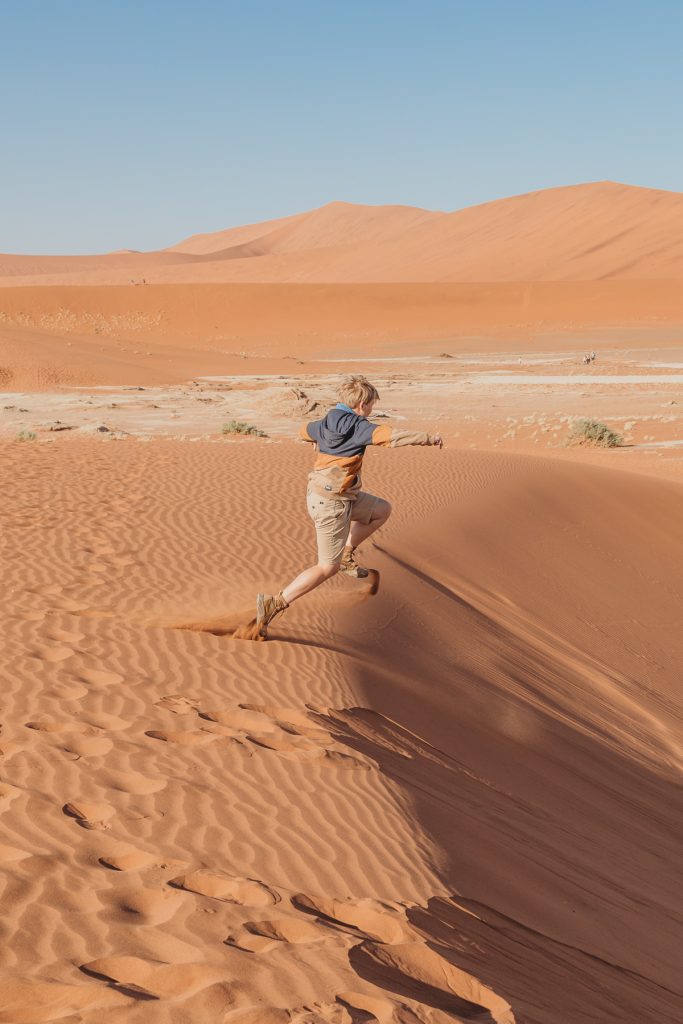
[(269, 606), (361, 531), (308, 580)]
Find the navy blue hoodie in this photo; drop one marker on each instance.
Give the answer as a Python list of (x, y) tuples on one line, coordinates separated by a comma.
[(342, 437)]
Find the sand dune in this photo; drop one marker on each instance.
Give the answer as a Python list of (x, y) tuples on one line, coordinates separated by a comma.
[(345, 280), (455, 800), (331, 225), (591, 232)]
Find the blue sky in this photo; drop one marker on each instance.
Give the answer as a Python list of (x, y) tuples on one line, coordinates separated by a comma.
[(134, 124)]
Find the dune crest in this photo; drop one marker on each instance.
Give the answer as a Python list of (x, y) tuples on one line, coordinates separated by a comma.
[(587, 232)]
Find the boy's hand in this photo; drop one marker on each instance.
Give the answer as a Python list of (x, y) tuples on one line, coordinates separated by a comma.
[(437, 440)]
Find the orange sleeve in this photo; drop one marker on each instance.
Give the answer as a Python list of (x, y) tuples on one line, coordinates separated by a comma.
[(303, 433), (382, 436)]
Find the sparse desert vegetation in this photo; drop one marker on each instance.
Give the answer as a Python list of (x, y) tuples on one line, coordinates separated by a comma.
[(238, 427), (595, 433)]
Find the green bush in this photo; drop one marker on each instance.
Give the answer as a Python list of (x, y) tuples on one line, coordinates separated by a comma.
[(593, 432), (237, 427), (26, 435)]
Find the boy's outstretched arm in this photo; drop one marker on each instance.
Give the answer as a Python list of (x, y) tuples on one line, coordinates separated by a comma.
[(388, 437)]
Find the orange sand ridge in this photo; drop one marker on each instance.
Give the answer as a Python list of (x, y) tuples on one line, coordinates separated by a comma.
[(581, 232)]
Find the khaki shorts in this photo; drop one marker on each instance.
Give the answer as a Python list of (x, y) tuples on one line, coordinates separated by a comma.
[(332, 519)]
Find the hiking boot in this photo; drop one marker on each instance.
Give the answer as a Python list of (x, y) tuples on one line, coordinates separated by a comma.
[(267, 607), (350, 567)]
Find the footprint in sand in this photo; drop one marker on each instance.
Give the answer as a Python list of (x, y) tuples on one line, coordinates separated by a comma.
[(258, 1015), (291, 732), (372, 919), (133, 782), (90, 815), (196, 738), (247, 892), (134, 976), (240, 719), (411, 967), (124, 857), (293, 748), (177, 703), (128, 859), (52, 654), (56, 725), (88, 746), (104, 720), (99, 677), (261, 729), (145, 906), (82, 740), (261, 936), (363, 1007), (316, 1013)]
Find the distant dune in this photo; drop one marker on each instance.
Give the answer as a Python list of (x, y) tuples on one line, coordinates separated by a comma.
[(590, 232), (349, 280)]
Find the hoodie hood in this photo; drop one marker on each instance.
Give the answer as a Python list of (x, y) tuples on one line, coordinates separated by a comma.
[(341, 432)]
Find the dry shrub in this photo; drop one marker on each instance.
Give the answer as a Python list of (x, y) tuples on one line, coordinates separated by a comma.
[(594, 433)]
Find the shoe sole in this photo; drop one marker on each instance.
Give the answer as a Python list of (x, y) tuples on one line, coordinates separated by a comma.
[(356, 574)]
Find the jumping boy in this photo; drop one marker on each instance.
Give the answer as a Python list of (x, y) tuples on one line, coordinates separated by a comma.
[(344, 515)]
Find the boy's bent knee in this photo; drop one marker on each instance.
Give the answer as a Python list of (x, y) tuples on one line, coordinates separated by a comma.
[(382, 510), (329, 569)]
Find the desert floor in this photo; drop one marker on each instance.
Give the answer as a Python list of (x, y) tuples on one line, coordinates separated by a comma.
[(455, 799)]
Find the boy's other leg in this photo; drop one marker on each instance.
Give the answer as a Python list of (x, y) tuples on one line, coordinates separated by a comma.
[(361, 531)]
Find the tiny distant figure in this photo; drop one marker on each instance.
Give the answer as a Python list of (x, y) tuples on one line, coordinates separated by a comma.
[(592, 357), (520, 360), (343, 514), (586, 360)]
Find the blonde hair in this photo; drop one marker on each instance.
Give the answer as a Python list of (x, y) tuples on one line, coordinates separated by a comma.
[(356, 390)]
